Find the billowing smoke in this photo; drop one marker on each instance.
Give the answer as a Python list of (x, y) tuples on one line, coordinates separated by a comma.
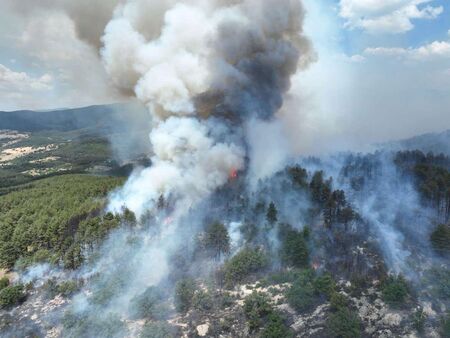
[(207, 71), (203, 68)]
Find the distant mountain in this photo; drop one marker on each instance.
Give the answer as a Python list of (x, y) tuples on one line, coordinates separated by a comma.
[(431, 142), (102, 117)]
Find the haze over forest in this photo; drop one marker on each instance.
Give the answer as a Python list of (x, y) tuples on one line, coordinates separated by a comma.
[(225, 168)]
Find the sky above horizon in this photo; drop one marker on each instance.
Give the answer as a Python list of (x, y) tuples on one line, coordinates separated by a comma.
[(383, 69)]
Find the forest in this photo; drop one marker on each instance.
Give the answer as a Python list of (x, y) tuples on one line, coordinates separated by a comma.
[(294, 261)]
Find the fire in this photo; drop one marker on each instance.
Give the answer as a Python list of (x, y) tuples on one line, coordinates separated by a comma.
[(233, 174)]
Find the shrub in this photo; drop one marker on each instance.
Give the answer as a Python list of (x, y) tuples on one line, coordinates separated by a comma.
[(226, 300), (244, 263), (276, 328), (11, 295), (395, 290), (4, 282), (149, 304), (301, 295), (307, 289), (344, 324), (257, 308), (324, 285), (105, 290), (338, 301), (184, 294), (419, 318), (158, 330), (202, 301), (92, 325), (68, 288), (260, 314)]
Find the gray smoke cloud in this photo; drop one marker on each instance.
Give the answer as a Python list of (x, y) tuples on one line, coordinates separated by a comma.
[(89, 17), (203, 68), (207, 71)]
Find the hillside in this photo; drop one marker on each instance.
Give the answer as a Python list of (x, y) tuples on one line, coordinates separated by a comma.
[(104, 118), (96, 139), (302, 255), (431, 142)]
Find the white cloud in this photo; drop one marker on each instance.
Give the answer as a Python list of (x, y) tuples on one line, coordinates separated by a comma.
[(47, 40), (12, 81), (387, 16), (431, 51)]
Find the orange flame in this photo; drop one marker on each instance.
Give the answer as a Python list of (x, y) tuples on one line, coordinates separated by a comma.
[(233, 174)]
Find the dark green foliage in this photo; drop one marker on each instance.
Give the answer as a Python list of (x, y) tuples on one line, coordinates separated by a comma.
[(395, 290), (244, 263), (73, 257), (338, 301), (261, 314), (306, 232), (332, 204), (308, 289), (344, 323), (440, 238), (324, 285), (276, 328), (299, 176), (445, 327), (68, 288), (53, 216), (319, 188), (280, 277), (302, 294), (105, 290), (11, 295), (432, 174), (257, 308), (4, 282), (419, 318), (202, 301), (92, 325), (158, 330), (149, 304), (128, 217), (272, 214), (184, 294), (216, 240), (294, 251)]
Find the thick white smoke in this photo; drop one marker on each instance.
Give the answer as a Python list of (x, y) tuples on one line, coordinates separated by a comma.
[(202, 68)]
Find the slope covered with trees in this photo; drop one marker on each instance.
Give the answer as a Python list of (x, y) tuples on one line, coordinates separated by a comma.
[(54, 219)]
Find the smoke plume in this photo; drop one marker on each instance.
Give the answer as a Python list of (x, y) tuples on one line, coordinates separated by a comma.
[(203, 69)]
